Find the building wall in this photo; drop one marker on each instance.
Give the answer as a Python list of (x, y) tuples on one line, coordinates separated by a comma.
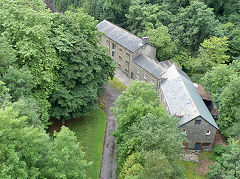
[(197, 134), (134, 68), (120, 54), (147, 50)]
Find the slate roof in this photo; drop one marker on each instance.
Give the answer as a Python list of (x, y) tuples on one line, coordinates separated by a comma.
[(183, 99), (120, 35), (150, 66)]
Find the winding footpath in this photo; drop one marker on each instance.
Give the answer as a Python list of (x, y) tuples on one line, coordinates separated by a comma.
[(108, 163)]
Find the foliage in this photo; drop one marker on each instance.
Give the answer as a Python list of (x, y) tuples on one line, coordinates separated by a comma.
[(214, 49), (157, 133), (4, 93), (141, 18), (29, 108), (7, 55), (19, 81), (157, 166), (223, 84), (220, 149), (160, 37), (132, 166), (67, 156), (193, 24), (86, 66), (144, 125), (232, 32), (29, 152), (227, 166)]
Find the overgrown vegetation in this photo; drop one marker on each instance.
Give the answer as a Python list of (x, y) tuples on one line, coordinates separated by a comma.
[(148, 139), (50, 66)]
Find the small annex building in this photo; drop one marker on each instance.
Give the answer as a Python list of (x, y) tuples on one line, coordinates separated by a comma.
[(136, 57)]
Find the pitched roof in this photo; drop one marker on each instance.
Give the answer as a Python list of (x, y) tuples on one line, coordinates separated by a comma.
[(183, 99), (150, 66), (120, 35)]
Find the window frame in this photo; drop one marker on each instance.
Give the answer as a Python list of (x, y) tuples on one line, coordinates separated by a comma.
[(145, 76), (208, 133), (138, 71), (113, 54), (196, 122)]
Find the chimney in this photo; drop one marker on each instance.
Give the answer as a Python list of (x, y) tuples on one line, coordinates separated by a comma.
[(145, 40)]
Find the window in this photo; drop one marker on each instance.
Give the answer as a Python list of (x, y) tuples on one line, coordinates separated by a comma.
[(138, 71), (197, 122), (120, 49), (184, 130), (107, 41), (119, 65), (145, 76), (126, 70), (113, 46), (128, 54), (127, 62), (152, 81), (137, 77), (208, 132), (113, 53), (120, 58)]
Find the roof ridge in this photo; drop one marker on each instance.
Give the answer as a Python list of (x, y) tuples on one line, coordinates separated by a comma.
[(123, 29)]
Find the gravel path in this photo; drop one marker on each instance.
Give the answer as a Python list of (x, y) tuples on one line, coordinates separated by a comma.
[(108, 163)]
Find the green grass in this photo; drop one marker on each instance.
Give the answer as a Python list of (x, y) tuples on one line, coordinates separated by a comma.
[(90, 133), (211, 156), (117, 84), (189, 170)]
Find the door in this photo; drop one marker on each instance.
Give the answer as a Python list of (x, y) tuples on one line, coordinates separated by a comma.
[(197, 146), (131, 75)]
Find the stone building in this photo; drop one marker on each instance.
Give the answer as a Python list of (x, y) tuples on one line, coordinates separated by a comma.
[(136, 57)]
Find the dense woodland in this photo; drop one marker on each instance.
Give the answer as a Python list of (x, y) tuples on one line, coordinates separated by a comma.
[(52, 67)]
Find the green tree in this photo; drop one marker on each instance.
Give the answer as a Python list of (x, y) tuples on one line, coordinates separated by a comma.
[(144, 17), (214, 50), (132, 166), (28, 152), (157, 166), (232, 32), (4, 93), (193, 24), (228, 100), (86, 67), (26, 26), (66, 159), (7, 55), (139, 131), (160, 37), (19, 81), (227, 166)]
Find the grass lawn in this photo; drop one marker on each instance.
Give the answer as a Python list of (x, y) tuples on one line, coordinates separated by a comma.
[(117, 84), (90, 132), (189, 170)]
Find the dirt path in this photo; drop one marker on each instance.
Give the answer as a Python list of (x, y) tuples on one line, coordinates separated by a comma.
[(50, 5), (108, 163)]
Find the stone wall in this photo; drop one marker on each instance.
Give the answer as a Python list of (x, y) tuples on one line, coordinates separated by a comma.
[(198, 134), (120, 54), (143, 74)]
